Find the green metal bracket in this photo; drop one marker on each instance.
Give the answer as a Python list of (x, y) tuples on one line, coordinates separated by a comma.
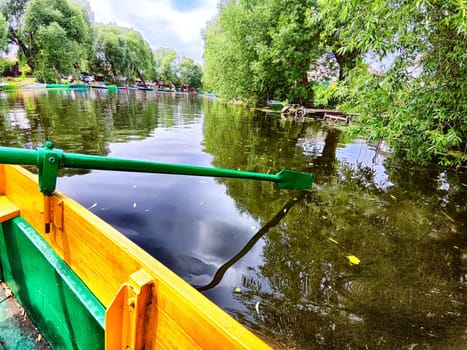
[(49, 160)]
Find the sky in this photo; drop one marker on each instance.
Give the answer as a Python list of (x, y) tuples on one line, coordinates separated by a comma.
[(173, 24)]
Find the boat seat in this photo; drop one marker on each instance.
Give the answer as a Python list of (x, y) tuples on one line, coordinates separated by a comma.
[(8, 209)]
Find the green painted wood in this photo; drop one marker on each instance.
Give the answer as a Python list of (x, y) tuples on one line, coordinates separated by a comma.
[(61, 306)]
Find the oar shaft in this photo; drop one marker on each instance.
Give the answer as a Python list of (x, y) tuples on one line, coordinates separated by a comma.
[(73, 160), (18, 156), (49, 160)]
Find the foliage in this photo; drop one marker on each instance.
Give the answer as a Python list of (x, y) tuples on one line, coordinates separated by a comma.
[(166, 66), (122, 52), (256, 50), (3, 33), (419, 104), (176, 70), (324, 95), (13, 10), (59, 32), (191, 73)]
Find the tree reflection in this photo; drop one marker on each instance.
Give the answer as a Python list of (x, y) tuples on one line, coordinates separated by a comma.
[(407, 290), (86, 121)]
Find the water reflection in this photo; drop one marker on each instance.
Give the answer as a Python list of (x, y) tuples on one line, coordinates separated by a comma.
[(297, 288), (220, 272)]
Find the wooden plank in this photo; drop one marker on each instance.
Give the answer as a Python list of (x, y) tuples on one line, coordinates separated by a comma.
[(338, 117), (8, 209), (104, 259)]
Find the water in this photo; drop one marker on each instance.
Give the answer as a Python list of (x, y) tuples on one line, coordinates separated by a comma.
[(294, 283)]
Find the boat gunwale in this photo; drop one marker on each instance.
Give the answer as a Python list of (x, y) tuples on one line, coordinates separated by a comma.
[(204, 322)]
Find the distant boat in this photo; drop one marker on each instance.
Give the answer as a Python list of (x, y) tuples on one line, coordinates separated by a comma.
[(276, 105), (113, 88), (66, 86), (144, 88)]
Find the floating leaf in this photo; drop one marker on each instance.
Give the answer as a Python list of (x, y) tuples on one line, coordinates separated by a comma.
[(393, 197), (353, 260), (237, 290), (333, 240)]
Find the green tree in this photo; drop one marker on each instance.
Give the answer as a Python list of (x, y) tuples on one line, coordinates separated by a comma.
[(419, 104), (141, 57), (13, 10), (122, 52), (3, 33), (166, 61), (191, 73), (255, 50), (57, 55), (58, 32)]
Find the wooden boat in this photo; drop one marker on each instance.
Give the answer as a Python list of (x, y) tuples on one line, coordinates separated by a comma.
[(67, 86), (112, 88), (83, 283), (145, 88)]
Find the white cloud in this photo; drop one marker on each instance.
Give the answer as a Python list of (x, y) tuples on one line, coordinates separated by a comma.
[(163, 23)]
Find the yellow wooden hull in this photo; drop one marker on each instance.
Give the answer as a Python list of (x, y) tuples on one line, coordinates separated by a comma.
[(147, 305)]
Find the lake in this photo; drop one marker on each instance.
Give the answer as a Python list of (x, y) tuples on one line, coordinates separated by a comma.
[(375, 256)]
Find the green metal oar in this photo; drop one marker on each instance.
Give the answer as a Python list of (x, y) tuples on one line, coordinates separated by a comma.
[(49, 160)]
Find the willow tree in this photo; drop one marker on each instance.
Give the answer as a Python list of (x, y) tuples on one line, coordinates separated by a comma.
[(13, 10), (3, 33), (166, 61), (257, 50), (122, 52), (190, 72), (52, 35), (418, 104)]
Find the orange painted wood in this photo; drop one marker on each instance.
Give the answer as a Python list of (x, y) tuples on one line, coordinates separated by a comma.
[(8, 209), (105, 259)]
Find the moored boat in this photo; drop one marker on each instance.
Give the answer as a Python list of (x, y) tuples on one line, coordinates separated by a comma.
[(66, 86), (83, 283)]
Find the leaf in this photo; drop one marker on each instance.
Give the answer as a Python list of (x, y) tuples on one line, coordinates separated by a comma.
[(353, 260)]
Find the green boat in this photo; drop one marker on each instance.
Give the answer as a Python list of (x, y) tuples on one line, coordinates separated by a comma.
[(67, 86)]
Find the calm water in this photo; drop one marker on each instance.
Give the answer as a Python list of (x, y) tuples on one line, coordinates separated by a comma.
[(293, 284)]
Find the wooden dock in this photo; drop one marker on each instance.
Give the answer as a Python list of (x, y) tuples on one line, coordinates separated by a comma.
[(296, 111), (329, 114)]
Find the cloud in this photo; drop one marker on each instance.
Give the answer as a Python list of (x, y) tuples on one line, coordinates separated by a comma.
[(172, 24)]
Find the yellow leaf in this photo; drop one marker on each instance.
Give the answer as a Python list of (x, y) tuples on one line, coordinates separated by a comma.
[(353, 259), (393, 197), (238, 290), (333, 240)]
